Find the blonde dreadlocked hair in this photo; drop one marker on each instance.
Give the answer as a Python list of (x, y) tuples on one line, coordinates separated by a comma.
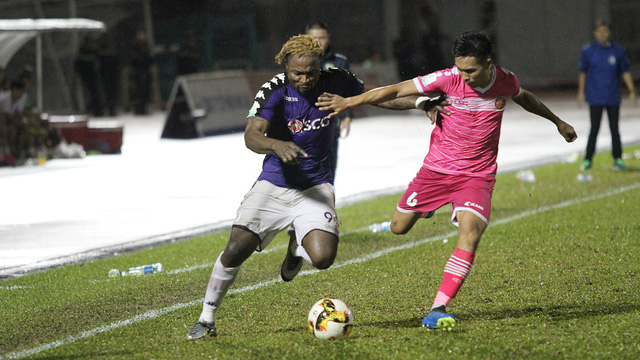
[(299, 45)]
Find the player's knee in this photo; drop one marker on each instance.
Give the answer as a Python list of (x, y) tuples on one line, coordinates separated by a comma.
[(323, 264), (398, 229), (321, 247), (238, 249), (469, 241), (231, 258), (471, 234), (323, 261), (470, 237), (234, 255)]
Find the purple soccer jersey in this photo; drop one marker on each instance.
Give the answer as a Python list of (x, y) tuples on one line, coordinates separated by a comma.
[(294, 117)]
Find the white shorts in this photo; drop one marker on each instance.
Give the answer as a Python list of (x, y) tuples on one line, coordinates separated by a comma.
[(267, 210)]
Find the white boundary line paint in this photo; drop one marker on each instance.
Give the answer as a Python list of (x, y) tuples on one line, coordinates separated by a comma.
[(103, 252), (15, 287), (152, 314), (210, 264)]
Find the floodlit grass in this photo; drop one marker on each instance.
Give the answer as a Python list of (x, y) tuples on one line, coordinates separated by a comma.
[(556, 276)]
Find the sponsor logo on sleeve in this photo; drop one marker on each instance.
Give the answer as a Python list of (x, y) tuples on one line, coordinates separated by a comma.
[(500, 103), (428, 79)]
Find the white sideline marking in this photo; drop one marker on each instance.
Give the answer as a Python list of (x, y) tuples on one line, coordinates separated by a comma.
[(191, 268), (152, 314), (210, 264), (15, 287)]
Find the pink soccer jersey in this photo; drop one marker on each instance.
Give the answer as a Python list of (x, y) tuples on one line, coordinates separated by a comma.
[(466, 142)]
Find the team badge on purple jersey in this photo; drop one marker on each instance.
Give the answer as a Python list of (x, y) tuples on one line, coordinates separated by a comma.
[(295, 126)]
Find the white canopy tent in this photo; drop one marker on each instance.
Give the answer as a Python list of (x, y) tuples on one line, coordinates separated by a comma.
[(14, 34)]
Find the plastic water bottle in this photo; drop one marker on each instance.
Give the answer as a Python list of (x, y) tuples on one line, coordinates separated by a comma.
[(379, 227), (138, 270), (526, 176), (115, 273), (584, 177), (145, 269)]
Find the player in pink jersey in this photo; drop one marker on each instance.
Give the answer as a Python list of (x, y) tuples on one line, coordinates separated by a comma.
[(461, 164)]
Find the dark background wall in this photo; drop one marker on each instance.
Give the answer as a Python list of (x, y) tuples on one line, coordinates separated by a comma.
[(539, 40)]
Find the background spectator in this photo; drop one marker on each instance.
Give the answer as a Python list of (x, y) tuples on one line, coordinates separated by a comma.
[(4, 80), (189, 58), (109, 58), (140, 74), (87, 64), (602, 65)]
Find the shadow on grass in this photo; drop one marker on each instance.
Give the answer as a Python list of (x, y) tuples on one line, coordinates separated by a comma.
[(389, 324), (394, 324), (409, 323), (558, 312), (630, 170)]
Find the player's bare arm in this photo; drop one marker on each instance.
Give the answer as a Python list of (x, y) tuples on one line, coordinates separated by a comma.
[(530, 102), (431, 104), (404, 103), (338, 104), (256, 141), (582, 80), (628, 80)]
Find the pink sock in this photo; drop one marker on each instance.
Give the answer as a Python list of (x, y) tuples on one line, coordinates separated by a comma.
[(455, 271)]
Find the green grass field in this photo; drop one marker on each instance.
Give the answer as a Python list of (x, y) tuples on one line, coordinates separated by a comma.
[(556, 276)]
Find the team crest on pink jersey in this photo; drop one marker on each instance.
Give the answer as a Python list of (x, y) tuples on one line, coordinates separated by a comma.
[(500, 103), (295, 126)]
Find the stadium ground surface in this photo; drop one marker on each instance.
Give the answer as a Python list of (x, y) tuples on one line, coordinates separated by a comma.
[(555, 277)]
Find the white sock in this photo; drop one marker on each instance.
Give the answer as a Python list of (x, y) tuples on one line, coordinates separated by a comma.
[(208, 315), (219, 283)]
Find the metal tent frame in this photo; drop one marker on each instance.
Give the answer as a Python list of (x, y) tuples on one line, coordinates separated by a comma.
[(14, 34)]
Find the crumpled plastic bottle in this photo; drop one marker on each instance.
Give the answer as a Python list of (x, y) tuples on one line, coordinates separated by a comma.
[(138, 270), (379, 227)]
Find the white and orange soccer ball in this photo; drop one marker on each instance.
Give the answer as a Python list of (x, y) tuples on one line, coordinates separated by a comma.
[(330, 319)]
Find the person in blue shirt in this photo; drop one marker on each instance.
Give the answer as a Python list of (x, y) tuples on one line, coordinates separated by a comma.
[(603, 64), (295, 186), (319, 31)]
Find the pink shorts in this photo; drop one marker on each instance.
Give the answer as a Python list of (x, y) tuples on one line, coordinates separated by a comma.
[(430, 190)]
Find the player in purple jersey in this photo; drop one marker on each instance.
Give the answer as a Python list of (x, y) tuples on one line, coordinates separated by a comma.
[(296, 183)]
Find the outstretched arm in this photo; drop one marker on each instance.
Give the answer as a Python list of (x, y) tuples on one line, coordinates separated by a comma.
[(338, 104), (256, 141), (532, 104), (432, 104)]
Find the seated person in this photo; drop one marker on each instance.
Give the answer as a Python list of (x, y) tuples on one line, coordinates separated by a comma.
[(24, 131)]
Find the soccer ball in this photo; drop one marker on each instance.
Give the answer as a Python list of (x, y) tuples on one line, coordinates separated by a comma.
[(330, 319)]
